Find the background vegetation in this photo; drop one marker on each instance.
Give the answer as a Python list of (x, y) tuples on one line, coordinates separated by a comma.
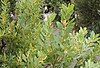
[(88, 13)]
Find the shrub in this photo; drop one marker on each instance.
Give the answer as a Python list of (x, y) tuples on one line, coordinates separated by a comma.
[(30, 44)]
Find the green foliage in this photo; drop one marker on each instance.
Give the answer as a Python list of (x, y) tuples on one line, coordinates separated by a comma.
[(31, 44), (56, 2), (66, 12), (91, 64)]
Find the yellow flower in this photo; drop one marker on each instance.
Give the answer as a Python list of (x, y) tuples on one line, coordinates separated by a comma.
[(4, 19), (12, 26)]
